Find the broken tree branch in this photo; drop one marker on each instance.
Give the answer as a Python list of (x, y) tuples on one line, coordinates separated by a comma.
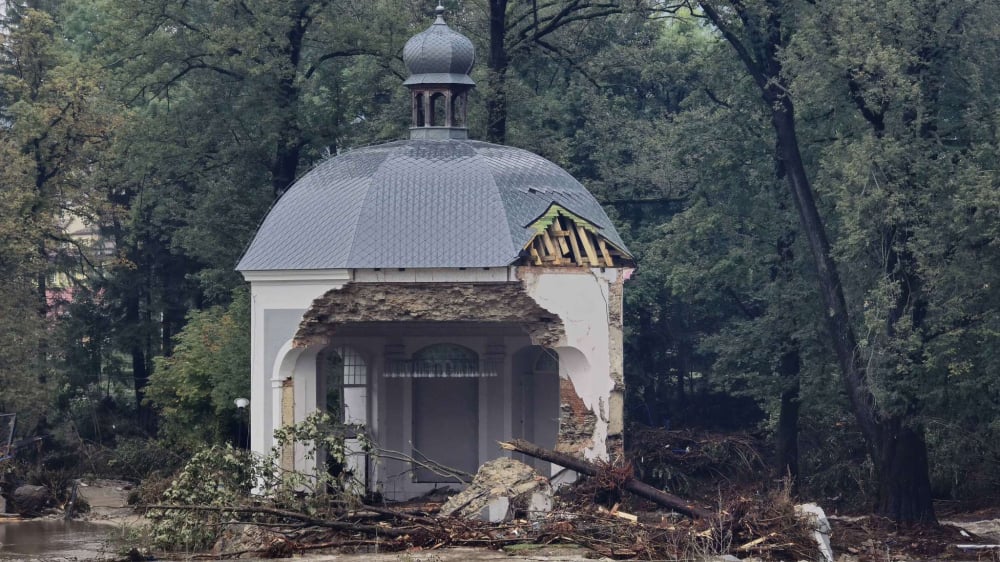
[(340, 525), (459, 476), (638, 488)]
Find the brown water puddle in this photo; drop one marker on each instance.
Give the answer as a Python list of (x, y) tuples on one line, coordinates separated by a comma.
[(52, 540)]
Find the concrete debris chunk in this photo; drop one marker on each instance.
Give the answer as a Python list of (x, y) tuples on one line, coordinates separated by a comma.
[(821, 528), (500, 487)]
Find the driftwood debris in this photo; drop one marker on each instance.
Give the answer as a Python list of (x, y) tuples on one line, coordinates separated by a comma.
[(385, 531), (588, 468), (759, 524), (71, 504)]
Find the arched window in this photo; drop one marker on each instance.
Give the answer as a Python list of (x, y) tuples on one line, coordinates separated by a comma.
[(343, 378), (547, 361), (445, 360), (418, 109), (458, 111), (438, 110)]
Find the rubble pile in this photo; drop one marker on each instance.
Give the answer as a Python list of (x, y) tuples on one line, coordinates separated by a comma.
[(501, 488)]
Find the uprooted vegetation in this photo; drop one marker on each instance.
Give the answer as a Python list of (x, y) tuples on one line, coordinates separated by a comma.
[(235, 503), (334, 522), (696, 463), (231, 503)]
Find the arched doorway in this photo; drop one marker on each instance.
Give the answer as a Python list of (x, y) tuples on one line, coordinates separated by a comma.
[(445, 410), (536, 399)]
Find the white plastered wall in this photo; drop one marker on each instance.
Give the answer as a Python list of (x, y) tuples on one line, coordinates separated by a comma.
[(286, 295), (580, 297)]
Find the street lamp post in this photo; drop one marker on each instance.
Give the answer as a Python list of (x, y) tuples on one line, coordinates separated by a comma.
[(241, 406)]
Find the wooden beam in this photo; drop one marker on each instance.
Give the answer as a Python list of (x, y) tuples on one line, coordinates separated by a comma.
[(560, 236), (604, 252), (550, 247), (577, 255), (534, 254), (585, 239)]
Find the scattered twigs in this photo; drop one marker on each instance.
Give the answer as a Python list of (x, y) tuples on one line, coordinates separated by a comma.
[(695, 462), (755, 542), (339, 525), (460, 477), (753, 523), (399, 514), (749, 523), (631, 484)]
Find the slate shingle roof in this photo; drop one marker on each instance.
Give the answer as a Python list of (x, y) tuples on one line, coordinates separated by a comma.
[(418, 203)]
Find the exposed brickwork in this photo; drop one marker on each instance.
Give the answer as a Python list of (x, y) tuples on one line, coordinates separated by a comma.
[(576, 421), (616, 350), (287, 418)]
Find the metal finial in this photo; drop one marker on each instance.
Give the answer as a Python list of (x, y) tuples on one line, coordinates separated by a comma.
[(440, 13)]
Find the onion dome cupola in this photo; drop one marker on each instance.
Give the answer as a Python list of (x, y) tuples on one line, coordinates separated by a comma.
[(439, 60)]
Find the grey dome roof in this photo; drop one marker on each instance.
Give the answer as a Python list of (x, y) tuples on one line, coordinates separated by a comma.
[(439, 55), (418, 203)]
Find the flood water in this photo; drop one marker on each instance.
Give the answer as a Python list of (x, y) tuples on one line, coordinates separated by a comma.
[(52, 540)]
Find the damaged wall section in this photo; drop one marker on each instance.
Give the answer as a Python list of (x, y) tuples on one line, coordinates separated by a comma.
[(575, 311), (577, 422), (590, 354), (428, 302)]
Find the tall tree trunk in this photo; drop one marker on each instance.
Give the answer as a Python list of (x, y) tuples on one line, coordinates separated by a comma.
[(899, 452), (903, 486), (288, 150), (140, 375), (786, 439), (137, 351), (42, 289), (137, 318), (894, 448), (497, 64), (837, 319)]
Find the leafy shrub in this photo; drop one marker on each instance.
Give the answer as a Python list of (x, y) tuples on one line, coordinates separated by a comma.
[(219, 476), (223, 479), (964, 462), (194, 388)]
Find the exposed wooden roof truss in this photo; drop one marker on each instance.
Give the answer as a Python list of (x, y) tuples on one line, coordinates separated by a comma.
[(564, 240)]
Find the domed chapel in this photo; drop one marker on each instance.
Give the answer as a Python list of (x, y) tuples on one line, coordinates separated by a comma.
[(439, 294)]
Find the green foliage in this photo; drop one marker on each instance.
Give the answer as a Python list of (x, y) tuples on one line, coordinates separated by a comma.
[(52, 124), (909, 191), (138, 459), (221, 477), (232, 101), (26, 384), (218, 476), (194, 388)]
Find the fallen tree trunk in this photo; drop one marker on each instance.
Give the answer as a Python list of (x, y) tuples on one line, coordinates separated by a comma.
[(588, 468)]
